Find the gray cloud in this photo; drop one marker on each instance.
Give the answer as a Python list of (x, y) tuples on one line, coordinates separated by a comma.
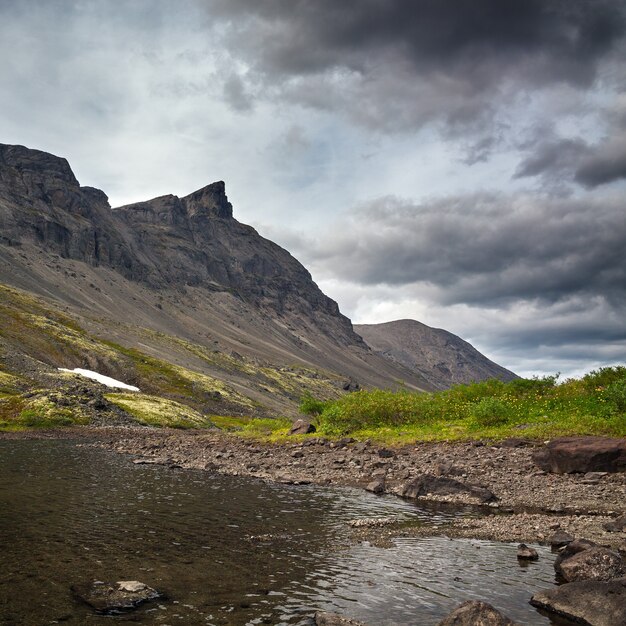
[(605, 164), (395, 65), (561, 160), (491, 249)]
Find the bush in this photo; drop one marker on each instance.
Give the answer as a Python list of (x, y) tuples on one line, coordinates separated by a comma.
[(615, 395), (490, 412), (310, 405)]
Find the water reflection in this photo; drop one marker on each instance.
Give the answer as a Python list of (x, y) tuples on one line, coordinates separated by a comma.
[(226, 550)]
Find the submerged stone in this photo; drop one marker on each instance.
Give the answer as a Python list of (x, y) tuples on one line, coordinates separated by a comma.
[(123, 595)]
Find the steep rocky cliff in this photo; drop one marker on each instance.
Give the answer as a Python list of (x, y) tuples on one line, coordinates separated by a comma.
[(442, 358), (154, 274)]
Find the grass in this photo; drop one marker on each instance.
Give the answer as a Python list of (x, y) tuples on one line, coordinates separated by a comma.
[(44, 409), (536, 408), (157, 411), (270, 429)]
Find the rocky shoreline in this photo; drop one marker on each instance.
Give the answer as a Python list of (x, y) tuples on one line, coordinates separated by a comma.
[(529, 504)]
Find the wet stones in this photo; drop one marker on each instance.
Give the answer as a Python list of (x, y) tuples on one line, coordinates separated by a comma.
[(333, 619), (111, 598), (474, 612), (524, 553), (427, 484), (593, 563), (594, 603), (376, 486)]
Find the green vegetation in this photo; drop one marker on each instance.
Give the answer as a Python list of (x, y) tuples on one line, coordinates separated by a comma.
[(42, 409), (155, 411), (535, 408), (255, 427)]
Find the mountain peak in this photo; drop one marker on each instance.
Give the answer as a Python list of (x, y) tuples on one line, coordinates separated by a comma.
[(36, 164), (209, 201)]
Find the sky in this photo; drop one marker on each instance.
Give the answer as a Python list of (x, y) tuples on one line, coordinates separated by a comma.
[(459, 163)]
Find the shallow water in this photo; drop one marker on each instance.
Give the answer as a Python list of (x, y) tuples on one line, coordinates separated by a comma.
[(228, 550)]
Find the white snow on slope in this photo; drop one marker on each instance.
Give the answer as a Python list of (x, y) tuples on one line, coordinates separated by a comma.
[(101, 378)]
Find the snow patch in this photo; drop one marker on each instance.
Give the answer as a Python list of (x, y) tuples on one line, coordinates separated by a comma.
[(101, 378)]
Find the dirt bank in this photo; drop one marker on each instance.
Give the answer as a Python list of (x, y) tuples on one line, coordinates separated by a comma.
[(531, 504)]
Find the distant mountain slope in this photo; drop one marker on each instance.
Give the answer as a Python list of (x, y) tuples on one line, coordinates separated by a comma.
[(177, 279), (442, 358)]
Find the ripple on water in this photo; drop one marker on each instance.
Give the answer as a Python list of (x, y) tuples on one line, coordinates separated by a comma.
[(228, 550)]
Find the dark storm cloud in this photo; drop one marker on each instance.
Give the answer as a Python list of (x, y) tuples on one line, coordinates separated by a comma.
[(490, 249), (605, 165), (560, 160), (393, 64)]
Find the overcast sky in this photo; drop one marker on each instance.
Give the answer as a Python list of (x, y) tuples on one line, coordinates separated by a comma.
[(459, 163)]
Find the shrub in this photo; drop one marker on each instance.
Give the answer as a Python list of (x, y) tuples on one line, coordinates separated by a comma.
[(490, 412), (310, 405), (615, 395)]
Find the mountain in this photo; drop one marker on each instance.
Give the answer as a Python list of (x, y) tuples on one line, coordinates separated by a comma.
[(441, 358), (172, 294)]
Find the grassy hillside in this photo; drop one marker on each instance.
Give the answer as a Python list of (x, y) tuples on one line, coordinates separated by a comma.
[(36, 338), (534, 408)]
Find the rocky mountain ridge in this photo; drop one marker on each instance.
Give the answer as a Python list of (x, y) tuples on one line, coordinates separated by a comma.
[(442, 358), (178, 280)]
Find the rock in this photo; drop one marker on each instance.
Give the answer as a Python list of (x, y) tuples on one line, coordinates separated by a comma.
[(301, 427), (593, 603), (385, 453), (615, 526), (476, 613), (569, 455), (333, 619), (574, 547), (526, 554), (351, 386), (560, 539), (376, 486), (443, 486), (595, 563), (107, 598)]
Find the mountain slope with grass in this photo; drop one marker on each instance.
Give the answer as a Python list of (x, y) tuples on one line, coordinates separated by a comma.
[(172, 295), (441, 358)]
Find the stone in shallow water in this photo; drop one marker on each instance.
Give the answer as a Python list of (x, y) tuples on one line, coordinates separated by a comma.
[(594, 603), (332, 619), (596, 563), (122, 595), (476, 613), (525, 553)]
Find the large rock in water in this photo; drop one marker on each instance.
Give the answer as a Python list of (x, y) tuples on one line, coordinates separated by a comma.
[(568, 455), (443, 486), (592, 603), (111, 598), (595, 563), (476, 613)]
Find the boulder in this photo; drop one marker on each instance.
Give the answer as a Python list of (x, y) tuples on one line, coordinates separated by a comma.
[(592, 603), (444, 486), (617, 525), (524, 553), (301, 427), (572, 548), (476, 613), (376, 486), (569, 455), (111, 598), (333, 619), (594, 563), (560, 539)]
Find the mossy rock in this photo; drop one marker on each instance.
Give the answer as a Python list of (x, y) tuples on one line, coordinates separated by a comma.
[(157, 411)]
